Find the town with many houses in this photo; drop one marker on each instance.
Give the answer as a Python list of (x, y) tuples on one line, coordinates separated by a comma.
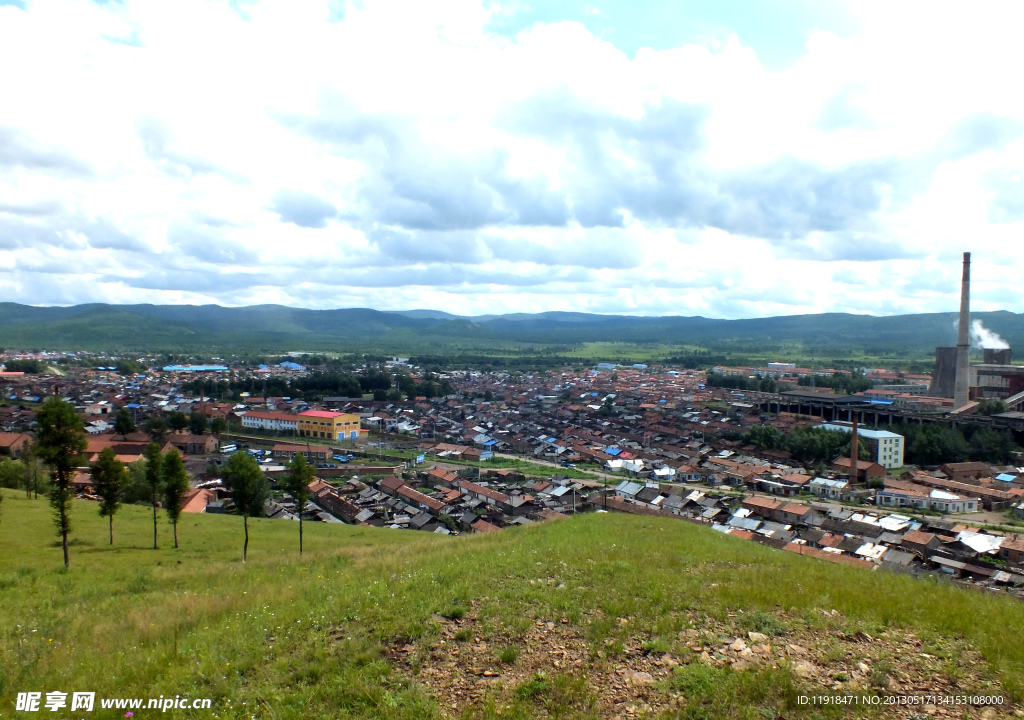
[(505, 449)]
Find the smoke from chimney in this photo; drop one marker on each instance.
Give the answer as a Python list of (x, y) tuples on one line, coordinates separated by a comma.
[(982, 337)]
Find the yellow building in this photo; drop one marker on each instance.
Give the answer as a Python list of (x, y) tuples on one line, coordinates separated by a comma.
[(330, 425)]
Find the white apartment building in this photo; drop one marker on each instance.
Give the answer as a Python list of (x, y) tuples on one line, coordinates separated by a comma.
[(279, 421), (886, 447)]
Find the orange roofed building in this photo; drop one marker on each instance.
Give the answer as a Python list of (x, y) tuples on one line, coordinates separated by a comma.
[(328, 425)]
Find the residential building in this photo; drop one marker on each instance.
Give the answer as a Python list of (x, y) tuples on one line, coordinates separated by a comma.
[(274, 421), (1012, 550), (865, 469), (919, 542), (329, 425), (922, 497), (965, 472), (194, 444), (11, 444), (312, 452), (825, 487)]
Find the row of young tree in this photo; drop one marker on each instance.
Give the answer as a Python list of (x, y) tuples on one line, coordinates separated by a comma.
[(61, 443)]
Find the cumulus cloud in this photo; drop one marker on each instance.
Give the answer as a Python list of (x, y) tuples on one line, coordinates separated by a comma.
[(19, 150), (442, 162), (303, 209)]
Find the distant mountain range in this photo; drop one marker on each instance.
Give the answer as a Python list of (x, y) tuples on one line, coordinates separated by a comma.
[(275, 328)]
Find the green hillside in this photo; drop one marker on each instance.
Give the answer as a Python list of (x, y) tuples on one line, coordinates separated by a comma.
[(597, 616), (274, 328)]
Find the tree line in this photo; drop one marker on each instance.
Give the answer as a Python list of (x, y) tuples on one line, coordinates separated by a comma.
[(937, 444), (925, 444), (741, 382), (156, 426), (806, 443), (849, 384)]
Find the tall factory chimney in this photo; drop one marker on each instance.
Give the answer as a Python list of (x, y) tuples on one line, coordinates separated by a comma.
[(961, 393)]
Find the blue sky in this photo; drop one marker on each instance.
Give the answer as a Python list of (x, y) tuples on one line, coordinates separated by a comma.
[(776, 31), (726, 159)]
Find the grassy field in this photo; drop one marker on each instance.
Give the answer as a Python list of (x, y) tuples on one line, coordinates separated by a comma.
[(365, 623)]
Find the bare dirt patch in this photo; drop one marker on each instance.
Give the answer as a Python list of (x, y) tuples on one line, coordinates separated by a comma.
[(623, 675)]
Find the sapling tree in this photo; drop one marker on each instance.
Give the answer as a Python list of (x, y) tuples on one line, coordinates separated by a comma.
[(218, 425), (60, 443), (245, 481), (110, 477), (296, 484), (197, 423), (124, 423), (154, 481), (175, 480)]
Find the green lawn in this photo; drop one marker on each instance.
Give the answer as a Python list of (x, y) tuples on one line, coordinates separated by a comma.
[(289, 637)]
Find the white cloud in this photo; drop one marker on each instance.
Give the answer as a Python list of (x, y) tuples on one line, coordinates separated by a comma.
[(398, 154)]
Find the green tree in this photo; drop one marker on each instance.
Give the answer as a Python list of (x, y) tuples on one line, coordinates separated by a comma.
[(197, 424), (154, 479), (991, 406), (765, 437), (110, 477), (29, 366), (30, 459), (136, 491), (128, 367), (13, 474), (175, 479), (989, 445), (60, 444), (248, 488), (218, 425), (935, 444), (808, 444), (124, 424), (177, 421), (296, 484), (155, 427)]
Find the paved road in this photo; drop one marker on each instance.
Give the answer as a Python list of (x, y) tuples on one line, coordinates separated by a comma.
[(986, 517)]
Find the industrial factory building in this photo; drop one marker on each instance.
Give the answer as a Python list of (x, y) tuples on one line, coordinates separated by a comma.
[(994, 377), (955, 377)]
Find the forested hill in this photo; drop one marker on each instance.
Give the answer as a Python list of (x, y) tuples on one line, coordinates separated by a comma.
[(278, 328)]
